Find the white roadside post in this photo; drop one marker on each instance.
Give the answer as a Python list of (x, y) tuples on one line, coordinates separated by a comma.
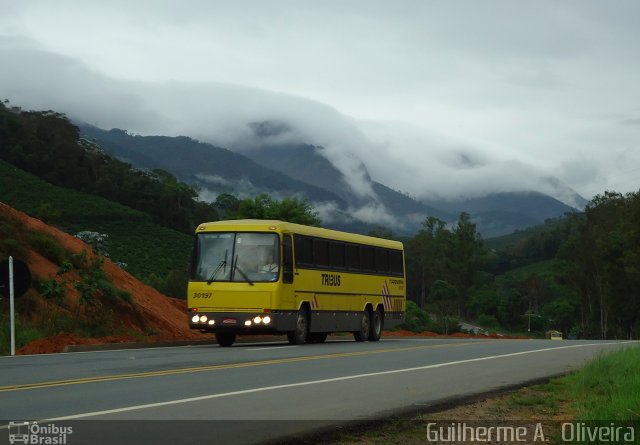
[(11, 308)]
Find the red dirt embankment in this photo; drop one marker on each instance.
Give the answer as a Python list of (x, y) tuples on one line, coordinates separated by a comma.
[(164, 316)]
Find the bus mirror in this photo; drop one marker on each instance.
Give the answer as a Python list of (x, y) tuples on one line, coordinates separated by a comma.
[(287, 276), (287, 266)]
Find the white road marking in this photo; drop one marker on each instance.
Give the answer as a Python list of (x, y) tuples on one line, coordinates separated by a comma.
[(317, 382)]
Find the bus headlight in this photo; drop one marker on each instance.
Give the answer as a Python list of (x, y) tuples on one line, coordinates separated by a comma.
[(203, 319), (247, 323), (257, 320), (212, 322), (266, 320), (195, 319)]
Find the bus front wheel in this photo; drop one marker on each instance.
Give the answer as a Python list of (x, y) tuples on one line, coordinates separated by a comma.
[(225, 338), (365, 326), (299, 336)]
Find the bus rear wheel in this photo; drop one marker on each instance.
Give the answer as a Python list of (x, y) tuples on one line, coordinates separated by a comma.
[(225, 338), (299, 336), (365, 326), (376, 326)]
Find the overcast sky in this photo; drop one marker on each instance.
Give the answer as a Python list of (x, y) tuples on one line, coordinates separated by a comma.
[(441, 98)]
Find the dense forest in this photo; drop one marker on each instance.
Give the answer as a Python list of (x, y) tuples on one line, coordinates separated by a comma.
[(579, 274)]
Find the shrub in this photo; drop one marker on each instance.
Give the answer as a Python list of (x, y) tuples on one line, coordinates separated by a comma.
[(126, 296), (12, 247), (48, 247), (51, 289), (488, 321), (416, 319)]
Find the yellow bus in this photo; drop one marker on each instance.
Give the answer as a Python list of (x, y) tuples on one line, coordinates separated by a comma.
[(273, 277)]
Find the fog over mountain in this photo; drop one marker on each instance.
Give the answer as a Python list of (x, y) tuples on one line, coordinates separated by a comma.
[(406, 158), (441, 101)]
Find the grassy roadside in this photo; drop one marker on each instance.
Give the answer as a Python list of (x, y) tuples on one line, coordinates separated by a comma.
[(606, 389)]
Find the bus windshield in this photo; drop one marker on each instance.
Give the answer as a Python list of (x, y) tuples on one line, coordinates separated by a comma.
[(236, 256)]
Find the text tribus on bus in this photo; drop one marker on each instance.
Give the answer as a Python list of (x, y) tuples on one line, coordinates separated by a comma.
[(274, 277)]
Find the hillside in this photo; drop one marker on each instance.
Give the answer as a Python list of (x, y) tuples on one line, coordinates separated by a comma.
[(210, 167), (305, 163), (47, 145), (78, 297), (302, 170), (132, 235), (503, 213)]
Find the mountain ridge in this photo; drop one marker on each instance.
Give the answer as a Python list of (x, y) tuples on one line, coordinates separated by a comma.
[(304, 170), (225, 165)]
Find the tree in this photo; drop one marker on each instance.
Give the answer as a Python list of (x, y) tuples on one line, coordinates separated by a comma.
[(467, 255), (603, 253), (427, 256), (227, 205), (443, 298), (295, 210), (292, 210)]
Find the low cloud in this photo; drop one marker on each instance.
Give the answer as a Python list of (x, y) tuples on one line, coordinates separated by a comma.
[(212, 179), (375, 213), (406, 158), (632, 122), (206, 195), (371, 213), (328, 211)]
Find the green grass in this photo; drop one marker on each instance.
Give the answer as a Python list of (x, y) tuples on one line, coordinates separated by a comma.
[(25, 333), (605, 389), (608, 388), (147, 248)]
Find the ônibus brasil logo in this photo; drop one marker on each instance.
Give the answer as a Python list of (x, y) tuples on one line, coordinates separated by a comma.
[(33, 433)]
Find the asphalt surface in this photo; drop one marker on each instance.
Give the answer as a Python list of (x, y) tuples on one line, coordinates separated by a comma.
[(251, 393)]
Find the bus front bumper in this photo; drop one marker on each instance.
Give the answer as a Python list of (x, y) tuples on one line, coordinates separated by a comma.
[(243, 322)]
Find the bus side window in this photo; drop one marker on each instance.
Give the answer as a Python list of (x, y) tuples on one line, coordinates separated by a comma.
[(321, 253), (395, 258), (353, 257), (304, 250), (336, 255), (287, 265), (367, 259), (382, 261)]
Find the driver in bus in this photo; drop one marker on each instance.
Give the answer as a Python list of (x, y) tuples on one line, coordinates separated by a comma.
[(271, 266)]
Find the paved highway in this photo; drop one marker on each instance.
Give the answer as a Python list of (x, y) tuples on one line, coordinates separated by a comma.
[(250, 393)]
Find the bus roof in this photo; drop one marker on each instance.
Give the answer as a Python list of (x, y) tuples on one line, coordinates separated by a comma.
[(266, 225)]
